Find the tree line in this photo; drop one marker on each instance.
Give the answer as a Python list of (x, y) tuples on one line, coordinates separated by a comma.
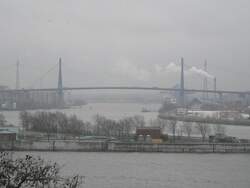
[(59, 123), (188, 128), (52, 123), (4, 122)]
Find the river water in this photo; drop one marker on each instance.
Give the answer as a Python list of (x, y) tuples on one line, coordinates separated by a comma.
[(110, 110), (120, 110), (148, 170)]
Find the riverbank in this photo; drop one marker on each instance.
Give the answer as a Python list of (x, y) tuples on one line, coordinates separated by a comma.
[(208, 120), (100, 146)]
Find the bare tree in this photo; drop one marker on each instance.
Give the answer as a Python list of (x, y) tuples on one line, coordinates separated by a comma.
[(159, 123), (33, 172), (121, 128), (172, 126), (139, 121), (88, 128), (219, 129), (204, 129), (24, 119), (99, 123), (187, 128), (47, 120), (52, 123), (3, 121), (127, 124), (76, 126)]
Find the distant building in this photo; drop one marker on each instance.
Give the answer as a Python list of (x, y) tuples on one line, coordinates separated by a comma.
[(149, 135), (181, 111), (231, 115), (170, 100), (3, 87), (26, 100), (7, 136), (195, 104)]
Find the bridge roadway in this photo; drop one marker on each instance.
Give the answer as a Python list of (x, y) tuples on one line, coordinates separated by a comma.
[(129, 88)]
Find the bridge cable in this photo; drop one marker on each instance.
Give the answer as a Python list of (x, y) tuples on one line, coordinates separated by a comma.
[(43, 75)]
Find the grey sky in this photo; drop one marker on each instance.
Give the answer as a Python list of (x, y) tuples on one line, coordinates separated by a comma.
[(98, 39)]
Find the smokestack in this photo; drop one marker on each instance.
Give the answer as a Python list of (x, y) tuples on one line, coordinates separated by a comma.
[(60, 85), (17, 76), (182, 97), (205, 86), (215, 88), (215, 84)]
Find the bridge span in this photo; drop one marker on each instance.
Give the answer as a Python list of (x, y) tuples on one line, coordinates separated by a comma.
[(129, 88)]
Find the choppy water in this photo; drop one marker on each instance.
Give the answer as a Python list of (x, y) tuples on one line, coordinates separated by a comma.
[(120, 110), (148, 170)]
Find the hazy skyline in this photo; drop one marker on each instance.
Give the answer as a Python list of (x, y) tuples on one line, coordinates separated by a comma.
[(117, 42)]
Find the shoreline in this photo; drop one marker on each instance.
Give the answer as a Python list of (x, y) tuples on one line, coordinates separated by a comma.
[(123, 147)]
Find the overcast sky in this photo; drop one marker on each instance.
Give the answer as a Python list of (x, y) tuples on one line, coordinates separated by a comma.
[(124, 42)]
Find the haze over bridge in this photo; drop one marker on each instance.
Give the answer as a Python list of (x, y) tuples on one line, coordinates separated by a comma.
[(60, 89), (186, 91)]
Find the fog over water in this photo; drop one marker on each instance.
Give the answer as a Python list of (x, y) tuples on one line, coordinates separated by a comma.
[(116, 42), (128, 43)]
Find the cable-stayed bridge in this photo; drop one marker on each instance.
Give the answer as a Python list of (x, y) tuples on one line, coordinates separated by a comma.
[(186, 91), (16, 95)]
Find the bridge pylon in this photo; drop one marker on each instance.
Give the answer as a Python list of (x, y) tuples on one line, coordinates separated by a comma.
[(17, 75), (60, 86), (182, 88)]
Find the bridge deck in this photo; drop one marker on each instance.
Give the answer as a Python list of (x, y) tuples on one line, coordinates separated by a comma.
[(130, 88)]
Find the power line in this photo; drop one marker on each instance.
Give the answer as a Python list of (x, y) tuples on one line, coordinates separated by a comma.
[(43, 76)]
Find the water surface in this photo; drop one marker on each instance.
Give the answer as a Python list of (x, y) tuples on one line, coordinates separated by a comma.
[(120, 110), (141, 170)]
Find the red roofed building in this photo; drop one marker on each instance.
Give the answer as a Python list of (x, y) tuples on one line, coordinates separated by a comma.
[(149, 134)]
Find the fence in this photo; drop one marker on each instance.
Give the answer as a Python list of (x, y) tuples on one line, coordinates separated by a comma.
[(102, 146), (180, 148)]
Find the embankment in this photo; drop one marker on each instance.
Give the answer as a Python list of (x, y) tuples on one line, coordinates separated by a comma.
[(100, 146)]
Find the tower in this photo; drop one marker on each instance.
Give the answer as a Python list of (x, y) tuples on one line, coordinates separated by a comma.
[(205, 85), (182, 97), (215, 88), (60, 86), (17, 76), (15, 99)]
